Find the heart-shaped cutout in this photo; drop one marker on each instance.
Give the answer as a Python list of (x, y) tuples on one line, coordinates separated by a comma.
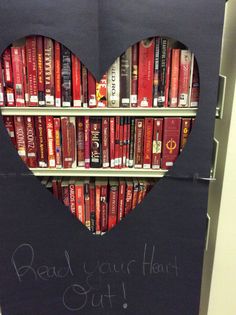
[(99, 147)]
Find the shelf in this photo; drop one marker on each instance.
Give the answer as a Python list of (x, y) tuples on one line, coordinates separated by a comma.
[(124, 172)]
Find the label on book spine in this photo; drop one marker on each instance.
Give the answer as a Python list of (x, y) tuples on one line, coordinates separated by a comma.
[(40, 64), (49, 71), (125, 77), (65, 76), (17, 66), (113, 84)]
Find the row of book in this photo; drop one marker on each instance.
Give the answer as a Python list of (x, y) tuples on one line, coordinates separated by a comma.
[(99, 203), (156, 72), (98, 142)]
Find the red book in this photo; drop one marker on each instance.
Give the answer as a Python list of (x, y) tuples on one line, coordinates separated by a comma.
[(65, 192), (185, 131), (50, 142), (98, 206), (2, 101), (40, 65), (135, 193), (68, 131), (81, 141), (121, 200), (105, 142), (195, 90), (167, 82), (145, 77), (174, 80), (20, 137), (125, 142), (157, 142), (113, 203), (17, 67), (92, 207), (59, 188), (134, 77), (57, 74), (87, 142), (87, 203), (76, 81), (31, 57), (171, 138), (101, 92), (121, 142), (41, 140), (9, 124), (79, 200), (25, 78), (129, 196), (128, 141), (184, 78), (138, 142), (117, 141), (49, 71), (55, 190), (140, 191), (112, 142), (57, 136), (92, 102), (31, 146), (104, 206), (148, 136), (8, 77), (85, 86), (72, 196)]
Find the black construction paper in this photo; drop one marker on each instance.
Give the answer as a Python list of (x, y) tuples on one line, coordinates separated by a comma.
[(158, 249)]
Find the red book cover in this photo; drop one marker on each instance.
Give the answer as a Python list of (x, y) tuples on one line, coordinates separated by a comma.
[(117, 141), (85, 86), (76, 81), (41, 140), (57, 136), (72, 196), (8, 77), (112, 142), (31, 146), (128, 141), (195, 91), (135, 194), (134, 77), (20, 137), (174, 80), (101, 92), (92, 207), (96, 141), (138, 143), (2, 101), (25, 76), (185, 131), (98, 206), (40, 65), (148, 136), (81, 141), (49, 71), (140, 191), (105, 142), (104, 206), (68, 131), (125, 142), (129, 196), (57, 74), (79, 200), (113, 203), (87, 204), (17, 67), (167, 83), (92, 102), (157, 142), (184, 78), (9, 124), (121, 200), (50, 142), (65, 192), (145, 77), (31, 57), (156, 73), (55, 191), (121, 142), (132, 141), (87, 142), (171, 138)]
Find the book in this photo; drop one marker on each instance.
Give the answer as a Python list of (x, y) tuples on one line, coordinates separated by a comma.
[(113, 203), (8, 77), (41, 140), (40, 70), (96, 142), (57, 137), (84, 86), (87, 142), (139, 133), (148, 138), (72, 196), (57, 75), (76, 81), (185, 131), (92, 102), (68, 131), (17, 66), (50, 142), (134, 77), (31, 58), (31, 147), (184, 78), (49, 71), (105, 142), (125, 77), (156, 71), (162, 71), (80, 141), (113, 85), (157, 142), (174, 81), (79, 201), (20, 137), (101, 92), (121, 199), (66, 97)]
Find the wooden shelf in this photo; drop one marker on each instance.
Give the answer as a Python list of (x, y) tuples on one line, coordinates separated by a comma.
[(99, 172)]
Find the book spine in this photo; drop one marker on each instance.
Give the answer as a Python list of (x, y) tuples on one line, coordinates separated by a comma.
[(68, 130), (50, 142), (125, 77), (96, 142), (171, 137), (49, 71), (167, 84), (128, 142), (41, 140), (145, 79), (134, 77), (105, 142), (121, 142), (148, 136), (135, 194), (92, 102), (25, 75), (117, 141), (17, 67), (113, 84), (92, 207), (185, 131), (57, 136), (113, 202), (8, 77), (195, 91), (98, 207), (85, 86), (81, 141), (139, 128), (157, 142), (162, 72), (87, 142), (101, 92), (112, 142), (40, 68), (121, 201), (65, 77), (2, 100), (140, 191), (79, 200), (57, 74), (104, 208), (156, 71), (129, 197), (31, 147), (174, 81), (66, 195), (87, 205), (9, 125), (132, 138), (76, 81), (55, 191), (20, 137), (125, 142), (31, 55), (184, 78), (72, 198)]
